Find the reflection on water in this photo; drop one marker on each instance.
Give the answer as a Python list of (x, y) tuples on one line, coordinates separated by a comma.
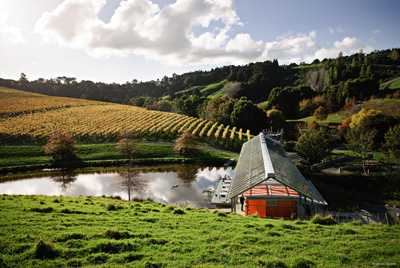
[(191, 181)]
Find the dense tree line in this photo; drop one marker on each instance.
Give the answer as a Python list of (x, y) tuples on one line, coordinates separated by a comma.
[(292, 90)]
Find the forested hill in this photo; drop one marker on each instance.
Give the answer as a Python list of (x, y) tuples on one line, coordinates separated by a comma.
[(270, 85), (256, 79)]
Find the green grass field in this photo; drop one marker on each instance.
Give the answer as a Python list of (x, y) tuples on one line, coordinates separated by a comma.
[(334, 118), (213, 88), (33, 157), (39, 231)]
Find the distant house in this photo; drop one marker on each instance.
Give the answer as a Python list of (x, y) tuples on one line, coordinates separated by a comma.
[(271, 183)]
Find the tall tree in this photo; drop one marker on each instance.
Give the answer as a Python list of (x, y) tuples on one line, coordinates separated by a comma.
[(275, 119), (247, 116), (312, 146), (392, 138), (361, 141)]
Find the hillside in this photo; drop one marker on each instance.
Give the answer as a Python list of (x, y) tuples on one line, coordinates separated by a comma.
[(39, 231), (29, 118)]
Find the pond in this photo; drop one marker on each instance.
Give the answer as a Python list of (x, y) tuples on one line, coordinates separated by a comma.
[(158, 184)]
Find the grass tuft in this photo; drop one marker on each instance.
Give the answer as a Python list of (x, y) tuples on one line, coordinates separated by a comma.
[(319, 219), (179, 211), (113, 247), (115, 234), (43, 210), (97, 258), (111, 207), (67, 237), (45, 250), (132, 256), (303, 263), (272, 264)]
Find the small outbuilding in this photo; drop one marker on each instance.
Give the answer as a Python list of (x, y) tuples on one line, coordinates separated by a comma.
[(271, 183)]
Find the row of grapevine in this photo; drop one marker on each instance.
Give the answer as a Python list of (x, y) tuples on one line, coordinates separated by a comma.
[(95, 123), (17, 101)]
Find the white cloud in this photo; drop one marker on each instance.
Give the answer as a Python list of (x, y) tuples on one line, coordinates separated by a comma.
[(338, 29), (141, 27), (377, 31), (71, 23), (290, 46), (9, 34), (187, 32), (348, 46)]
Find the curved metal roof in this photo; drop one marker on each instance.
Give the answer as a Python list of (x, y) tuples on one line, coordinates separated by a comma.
[(264, 161)]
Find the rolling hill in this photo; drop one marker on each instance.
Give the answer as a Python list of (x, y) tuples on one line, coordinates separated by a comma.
[(29, 118)]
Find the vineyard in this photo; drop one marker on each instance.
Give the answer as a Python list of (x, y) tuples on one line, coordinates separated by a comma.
[(17, 102), (29, 118)]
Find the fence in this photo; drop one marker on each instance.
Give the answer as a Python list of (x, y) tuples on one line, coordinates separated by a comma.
[(388, 218)]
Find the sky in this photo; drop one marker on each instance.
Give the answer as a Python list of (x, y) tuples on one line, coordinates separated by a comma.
[(122, 40)]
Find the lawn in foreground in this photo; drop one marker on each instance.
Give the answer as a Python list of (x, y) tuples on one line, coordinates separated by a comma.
[(40, 231)]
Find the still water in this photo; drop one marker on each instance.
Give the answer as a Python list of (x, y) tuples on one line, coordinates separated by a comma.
[(157, 184)]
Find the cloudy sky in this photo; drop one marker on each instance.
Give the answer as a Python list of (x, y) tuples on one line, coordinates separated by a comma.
[(118, 41)]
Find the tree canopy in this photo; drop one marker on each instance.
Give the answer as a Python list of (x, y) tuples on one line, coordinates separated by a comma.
[(186, 143), (392, 138), (361, 141), (61, 145), (312, 145)]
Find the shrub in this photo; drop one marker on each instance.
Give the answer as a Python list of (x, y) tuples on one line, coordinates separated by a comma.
[(319, 219)]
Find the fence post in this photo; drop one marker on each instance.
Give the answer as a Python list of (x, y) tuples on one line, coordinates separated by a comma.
[(387, 219), (367, 218)]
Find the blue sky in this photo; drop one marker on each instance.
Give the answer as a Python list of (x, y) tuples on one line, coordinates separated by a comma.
[(118, 41)]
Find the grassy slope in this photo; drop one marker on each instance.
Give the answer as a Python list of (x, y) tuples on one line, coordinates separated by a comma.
[(33, 156), (206, 90), (38, 231)]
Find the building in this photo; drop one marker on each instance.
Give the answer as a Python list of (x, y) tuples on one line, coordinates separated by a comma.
[(271, 183)]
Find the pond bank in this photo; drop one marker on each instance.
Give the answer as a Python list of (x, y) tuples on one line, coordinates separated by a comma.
[(29, 158)]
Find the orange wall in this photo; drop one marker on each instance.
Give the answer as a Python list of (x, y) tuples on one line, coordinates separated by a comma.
[(284, 208)]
